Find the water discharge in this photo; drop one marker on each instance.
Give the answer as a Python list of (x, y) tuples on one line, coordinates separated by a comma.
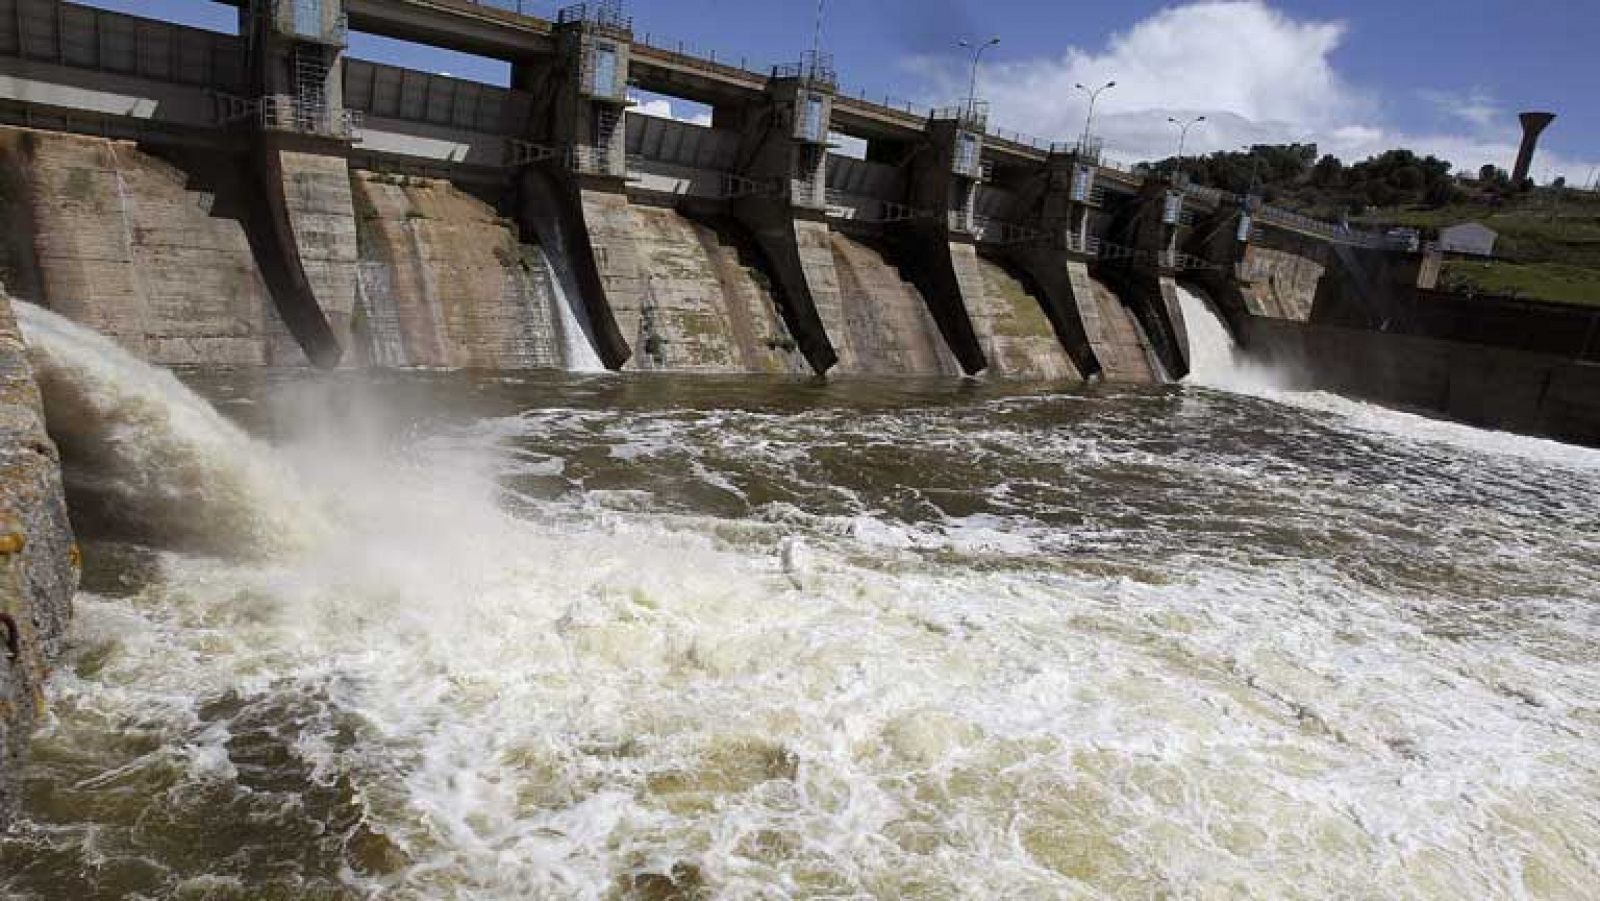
[(656, 638), (1211, 347), (577, 343)]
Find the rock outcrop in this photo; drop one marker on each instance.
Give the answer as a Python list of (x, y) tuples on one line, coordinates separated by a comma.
[(38, 557)]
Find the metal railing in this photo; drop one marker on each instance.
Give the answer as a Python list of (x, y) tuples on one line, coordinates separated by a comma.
[(814, 68), (1089, 150), (691, 57), (603, 15), (281, 112), (996, 231), (529, 8), (1076, 243), (1026, 140), (972, 114), (588, 160)]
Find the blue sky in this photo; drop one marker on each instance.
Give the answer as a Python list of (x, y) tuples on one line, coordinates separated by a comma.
[(1356, 76)]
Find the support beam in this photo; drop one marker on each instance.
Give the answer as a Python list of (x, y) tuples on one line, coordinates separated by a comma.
[(576, 201), (783, 141), (938, 254), (297, 86)]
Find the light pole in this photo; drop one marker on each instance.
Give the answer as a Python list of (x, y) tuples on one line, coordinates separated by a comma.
[(816, 40), (1088, 121), (1183, 136), (972, 85)]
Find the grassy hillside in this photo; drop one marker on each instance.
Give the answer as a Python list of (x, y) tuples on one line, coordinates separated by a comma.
[(1549, 245)]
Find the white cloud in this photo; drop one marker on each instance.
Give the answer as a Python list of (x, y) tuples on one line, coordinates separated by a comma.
[(1256, 73), (662, 108), (1477, 107)]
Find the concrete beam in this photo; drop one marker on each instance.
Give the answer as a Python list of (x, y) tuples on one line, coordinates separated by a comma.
[(941, 260), (783, 143)]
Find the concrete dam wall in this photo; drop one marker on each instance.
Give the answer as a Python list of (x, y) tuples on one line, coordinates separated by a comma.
[(157, 257), (169, 255), (446, 282)]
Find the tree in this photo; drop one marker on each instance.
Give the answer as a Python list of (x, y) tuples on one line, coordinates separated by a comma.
[(1328, 172)]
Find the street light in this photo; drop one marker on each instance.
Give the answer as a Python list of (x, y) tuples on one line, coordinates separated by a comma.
[(1183, 135), (972, 86), (1088, 121), (816, 34)]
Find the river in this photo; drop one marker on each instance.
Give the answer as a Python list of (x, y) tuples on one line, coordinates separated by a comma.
[(436, 635)]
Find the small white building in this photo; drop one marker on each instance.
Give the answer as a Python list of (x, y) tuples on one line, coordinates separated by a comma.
[(1472, 239)]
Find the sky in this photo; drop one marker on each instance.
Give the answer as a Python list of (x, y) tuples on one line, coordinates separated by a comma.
[(1355, 77)]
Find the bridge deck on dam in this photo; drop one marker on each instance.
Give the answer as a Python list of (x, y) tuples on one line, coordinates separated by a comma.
[(49, 31)]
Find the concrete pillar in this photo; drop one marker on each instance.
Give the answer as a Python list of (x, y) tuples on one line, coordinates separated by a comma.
[(307, 226), (1220, 243), (1143, 270), (938, 252), (1064, 210), (785, 144), (575, 200)]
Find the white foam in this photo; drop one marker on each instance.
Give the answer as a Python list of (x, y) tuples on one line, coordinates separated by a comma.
[(557, 703)]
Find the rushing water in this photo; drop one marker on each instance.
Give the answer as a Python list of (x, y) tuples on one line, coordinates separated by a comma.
[(620, 637), (1211, 347)]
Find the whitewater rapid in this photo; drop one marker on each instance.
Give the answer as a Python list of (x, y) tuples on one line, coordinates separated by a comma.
[(679, 639)]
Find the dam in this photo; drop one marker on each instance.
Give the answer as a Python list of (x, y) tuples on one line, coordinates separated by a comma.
[(356, 213), (418, 488), (264, 198)]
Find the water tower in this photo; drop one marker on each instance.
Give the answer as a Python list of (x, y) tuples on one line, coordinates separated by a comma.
[(1533, 125)]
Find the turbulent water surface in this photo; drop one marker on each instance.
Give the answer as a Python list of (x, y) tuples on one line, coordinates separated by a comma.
[(615, 637)]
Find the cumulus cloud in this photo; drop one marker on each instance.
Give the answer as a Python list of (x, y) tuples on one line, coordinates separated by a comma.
[(1258, 74)]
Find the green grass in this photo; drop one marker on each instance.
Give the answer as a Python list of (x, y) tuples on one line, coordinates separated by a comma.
[(1556, 282), (1549, 247)]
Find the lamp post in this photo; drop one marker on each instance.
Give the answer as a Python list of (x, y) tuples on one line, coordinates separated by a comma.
[(1183, 136), (1088, 120), (816, 41), (972, 85)]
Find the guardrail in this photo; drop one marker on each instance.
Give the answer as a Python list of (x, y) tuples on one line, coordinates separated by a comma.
[(972, 115), (997, 231), (527, 8), (814, 67), (691, 57), (895, 104), (605, 15), (1016, 137)]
